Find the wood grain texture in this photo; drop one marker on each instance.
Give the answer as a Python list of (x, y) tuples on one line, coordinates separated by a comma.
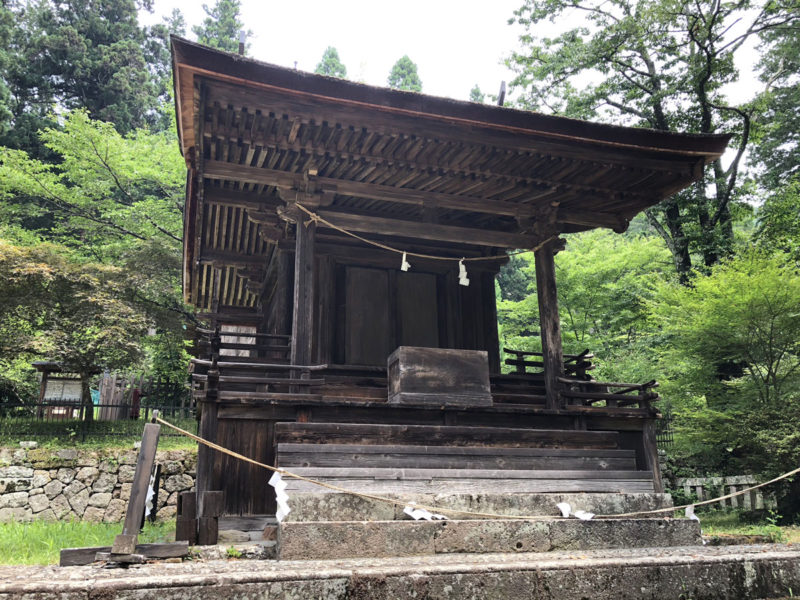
[(441, 435)]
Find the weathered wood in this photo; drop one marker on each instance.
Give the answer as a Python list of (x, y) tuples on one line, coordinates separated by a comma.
[(186, 529), (76, 556), (471, 486), (123, 559), (443, 457), (650, 448), (439, 376), (126, 542), (440, 435), (550, 323), (187, 505), (207, 531), (303, 299), (211, 504), (450, 474), (427, 231)]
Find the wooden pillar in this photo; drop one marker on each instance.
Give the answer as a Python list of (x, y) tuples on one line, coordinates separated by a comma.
[(650, 451), (550, 325), (282, 322), (303, 301)]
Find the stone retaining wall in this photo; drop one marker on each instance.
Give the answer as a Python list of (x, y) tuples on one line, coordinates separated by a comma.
[(49, 484)]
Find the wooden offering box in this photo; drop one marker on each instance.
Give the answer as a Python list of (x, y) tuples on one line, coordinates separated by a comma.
[(439, 376)]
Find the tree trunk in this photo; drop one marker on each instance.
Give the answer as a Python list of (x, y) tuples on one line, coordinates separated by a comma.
[(86, 399)]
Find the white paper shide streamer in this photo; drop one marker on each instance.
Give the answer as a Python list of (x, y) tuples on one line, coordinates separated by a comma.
[(421, 513), (281, 497), (404, 264), (462, 273), (151, 492), (566, 511)]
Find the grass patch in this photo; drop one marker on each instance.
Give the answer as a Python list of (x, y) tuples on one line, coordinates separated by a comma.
[(101, 434), (39, 542), (728, 523)]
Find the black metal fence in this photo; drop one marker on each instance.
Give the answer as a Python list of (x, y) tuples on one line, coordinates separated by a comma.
[(664, 434), (61, 418)]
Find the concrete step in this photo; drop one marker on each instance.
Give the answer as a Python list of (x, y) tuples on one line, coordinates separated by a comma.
[(334, 506), (368, 539), (699, 573)]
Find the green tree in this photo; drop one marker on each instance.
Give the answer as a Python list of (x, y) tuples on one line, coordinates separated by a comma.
[(67, 310), (779, 220), (604, 281), (221, 27), (330, 64), (662, 65), (90, 55), (777, 132), (476, 95), (404, 76), (111, 199), (731, 343)]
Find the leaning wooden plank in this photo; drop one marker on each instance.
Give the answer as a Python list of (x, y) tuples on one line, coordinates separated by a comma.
[(83, 556), (126, 542)]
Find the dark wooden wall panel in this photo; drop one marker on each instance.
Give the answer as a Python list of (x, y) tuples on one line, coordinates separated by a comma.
[(367, 339), (245, 485), (417, 310)]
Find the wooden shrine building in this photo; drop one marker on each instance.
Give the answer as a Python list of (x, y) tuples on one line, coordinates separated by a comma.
[(303, 192)]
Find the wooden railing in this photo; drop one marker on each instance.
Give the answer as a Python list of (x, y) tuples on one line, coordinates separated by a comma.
[(246, 365), (613, 394), (245, 346), (578, 388), (574, 364)]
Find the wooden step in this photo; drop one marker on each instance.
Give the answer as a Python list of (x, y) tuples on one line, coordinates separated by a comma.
[(441, 435), (475, 481), (443, 457)]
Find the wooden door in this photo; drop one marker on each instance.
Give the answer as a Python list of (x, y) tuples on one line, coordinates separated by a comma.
[(368, 336), (417, 310)]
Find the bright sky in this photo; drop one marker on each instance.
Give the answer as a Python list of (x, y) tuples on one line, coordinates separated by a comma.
[(455, 43)]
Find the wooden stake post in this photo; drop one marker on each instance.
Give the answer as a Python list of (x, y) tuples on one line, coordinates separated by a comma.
[(125, 543), (126, 548)]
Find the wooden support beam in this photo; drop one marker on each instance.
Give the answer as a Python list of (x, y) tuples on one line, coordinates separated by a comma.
[(387, 193), (549, 322), (233, 259), (427, 231), (303, 300)]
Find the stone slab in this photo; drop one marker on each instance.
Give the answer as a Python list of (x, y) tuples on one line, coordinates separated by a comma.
[(700, 573), (359, 539), (316, 506)]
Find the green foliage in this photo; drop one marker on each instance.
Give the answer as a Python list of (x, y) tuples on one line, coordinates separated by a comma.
[(330, 64), (403, 76), (107, 191), (662, 65), (75, 54), (779, 220), (40, 542), (476, 95), (777, 132), (220, 29), (514, 279), (743, 317), (604, 281)]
